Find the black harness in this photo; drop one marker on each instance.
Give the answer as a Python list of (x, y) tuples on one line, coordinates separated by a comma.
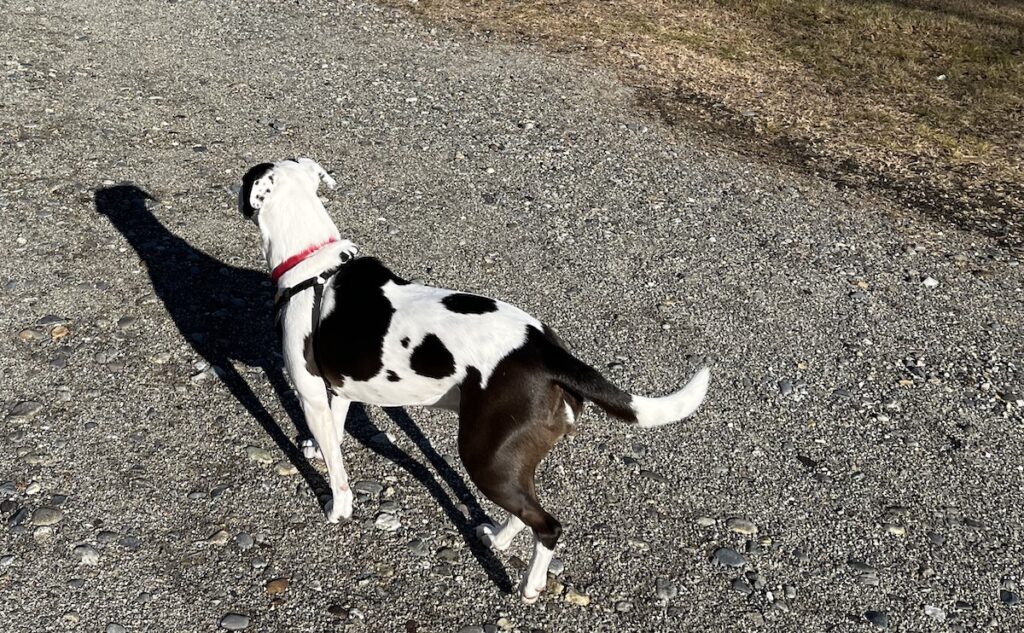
[(317, 284)]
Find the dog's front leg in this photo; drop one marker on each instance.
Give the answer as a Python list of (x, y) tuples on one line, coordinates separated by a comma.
[(321, 419)]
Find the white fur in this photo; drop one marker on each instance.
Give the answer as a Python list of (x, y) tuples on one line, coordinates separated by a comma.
[(500, 537), (653, 412), (535, 580)]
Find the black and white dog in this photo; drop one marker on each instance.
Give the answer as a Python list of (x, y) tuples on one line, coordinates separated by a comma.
[(352, 330)]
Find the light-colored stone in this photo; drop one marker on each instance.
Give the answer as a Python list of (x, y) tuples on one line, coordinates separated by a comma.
[(47, 516), (259, 455), (276, 586), (575, 597), (285, 468), (87, 554)]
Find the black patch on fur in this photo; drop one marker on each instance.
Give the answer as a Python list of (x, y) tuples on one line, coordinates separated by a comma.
[(405, 342), (351, 338), (392, 376), (432, 359), (307, 354), (250, 177), (469, 304)]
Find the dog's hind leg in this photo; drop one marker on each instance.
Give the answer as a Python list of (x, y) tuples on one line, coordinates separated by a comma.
[(321, 419), (500, 536), (519, 498), (505, 431)]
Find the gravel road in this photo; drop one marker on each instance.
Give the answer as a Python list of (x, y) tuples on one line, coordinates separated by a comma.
[(857, 466)]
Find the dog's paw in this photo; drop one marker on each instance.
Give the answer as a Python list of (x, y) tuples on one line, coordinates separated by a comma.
[(485, 532), (348, 250), (330, 182), (339, 507), (310, 449), (530, 594)]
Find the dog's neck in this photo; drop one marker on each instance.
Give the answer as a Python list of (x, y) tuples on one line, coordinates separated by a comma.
[(288, 230)]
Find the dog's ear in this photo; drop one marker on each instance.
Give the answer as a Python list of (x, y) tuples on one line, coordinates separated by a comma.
[(248, 204), (317, 171)]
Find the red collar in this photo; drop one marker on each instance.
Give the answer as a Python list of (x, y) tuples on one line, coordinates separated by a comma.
[(297, 259)]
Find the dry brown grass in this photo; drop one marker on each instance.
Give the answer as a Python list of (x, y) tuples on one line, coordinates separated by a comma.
[(922, 97)]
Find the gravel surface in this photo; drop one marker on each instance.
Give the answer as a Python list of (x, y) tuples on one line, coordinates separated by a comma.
[(858, 463)]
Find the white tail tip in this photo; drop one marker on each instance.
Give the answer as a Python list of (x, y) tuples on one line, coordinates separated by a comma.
[(652, 412)]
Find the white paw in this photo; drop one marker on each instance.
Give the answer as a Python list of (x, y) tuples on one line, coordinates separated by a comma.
[(485, 532), (530, 594), (339, 507), (348, 248), (310, 449), (330, 182)]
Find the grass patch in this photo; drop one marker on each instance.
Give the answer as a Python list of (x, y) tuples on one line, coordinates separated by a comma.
[(924, 97)]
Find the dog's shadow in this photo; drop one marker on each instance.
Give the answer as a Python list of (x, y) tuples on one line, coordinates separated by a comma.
[(225, 313)]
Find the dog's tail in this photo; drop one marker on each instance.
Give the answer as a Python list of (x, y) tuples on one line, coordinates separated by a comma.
[(584, 380)]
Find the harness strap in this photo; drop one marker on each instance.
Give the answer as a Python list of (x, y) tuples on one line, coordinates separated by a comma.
[(317, 284), (318, 295)]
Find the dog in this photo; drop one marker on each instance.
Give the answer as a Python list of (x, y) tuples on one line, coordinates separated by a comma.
[(353, 330)]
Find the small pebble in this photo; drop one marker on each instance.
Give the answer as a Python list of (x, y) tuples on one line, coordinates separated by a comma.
[(556, 567), (741, 526), (86, 554), (276, 586), (114, 627), (18, 517), (579, 599), (895, 530), (131, 543), (339, 612), (371, 488), (220, 537), (47, 516), (418, 547), (259, 455), (741, 586), (24, 410), (728, 557), (234, 622), (665, 589), (877, 618), (935, 612), (285, 468), (387, 522), (43, 534), (244, 541), (448, 555)]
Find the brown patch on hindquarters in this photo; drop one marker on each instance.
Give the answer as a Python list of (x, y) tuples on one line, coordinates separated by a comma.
[(506, 429)]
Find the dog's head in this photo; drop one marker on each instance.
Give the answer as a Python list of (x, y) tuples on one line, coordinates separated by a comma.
[(259, 182), (250, 201)]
